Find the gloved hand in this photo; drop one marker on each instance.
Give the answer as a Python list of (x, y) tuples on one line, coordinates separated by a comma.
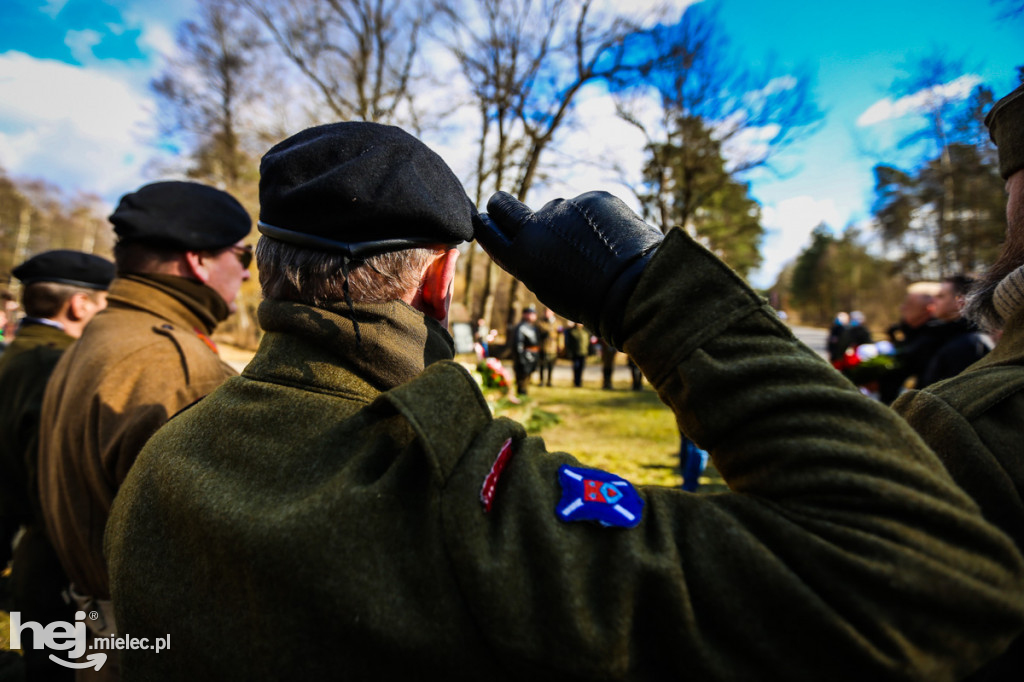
[(582, 256)]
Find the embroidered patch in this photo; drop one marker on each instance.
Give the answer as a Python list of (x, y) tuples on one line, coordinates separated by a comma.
[(491, 482), (593, 495)]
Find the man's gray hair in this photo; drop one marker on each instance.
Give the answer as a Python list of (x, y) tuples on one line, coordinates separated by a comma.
[(294, 273)]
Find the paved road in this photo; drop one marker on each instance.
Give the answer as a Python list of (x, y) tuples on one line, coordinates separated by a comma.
[(814, 338)]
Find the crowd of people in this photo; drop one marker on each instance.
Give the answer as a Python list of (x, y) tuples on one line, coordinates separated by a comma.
[(349, 507), (931, 341)]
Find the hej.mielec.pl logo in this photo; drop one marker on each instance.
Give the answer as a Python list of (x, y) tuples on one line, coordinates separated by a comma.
[(72, 638)]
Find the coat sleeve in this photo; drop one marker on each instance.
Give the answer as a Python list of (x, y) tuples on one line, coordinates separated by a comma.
[(843, 551)]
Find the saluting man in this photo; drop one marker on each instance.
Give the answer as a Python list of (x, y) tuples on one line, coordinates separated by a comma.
[(61, 291), (180, 264), (349, 508)]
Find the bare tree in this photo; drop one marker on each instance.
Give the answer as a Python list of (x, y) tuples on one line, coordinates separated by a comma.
[(358, 56), (710, 107), (210, 88), (526, 62)]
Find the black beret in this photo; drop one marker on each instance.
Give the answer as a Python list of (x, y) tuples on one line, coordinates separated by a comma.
[(1005, 123), (180, 215), (361, 188), (67, 267)]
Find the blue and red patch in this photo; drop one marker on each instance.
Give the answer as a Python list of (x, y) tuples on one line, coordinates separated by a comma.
[(594, 495)]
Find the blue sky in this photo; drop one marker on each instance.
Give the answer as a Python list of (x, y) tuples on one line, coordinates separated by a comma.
[(75, 108)]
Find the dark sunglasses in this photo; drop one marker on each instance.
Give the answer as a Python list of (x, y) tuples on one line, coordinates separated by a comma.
[(244, 254)]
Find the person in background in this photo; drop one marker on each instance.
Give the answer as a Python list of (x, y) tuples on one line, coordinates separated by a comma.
[(834, 344), (180, 263), (692, 462), (549, 347), (577, 344), (912, 342), (960, 343), (483, 337), (608, 353), (974, 421), (61, 292), (525, 349), (855, 334)]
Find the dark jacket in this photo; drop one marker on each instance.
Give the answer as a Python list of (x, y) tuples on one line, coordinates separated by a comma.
[(975, 423), (577, 341), (317, 518), (960, 346), (24, 370), (525, 346), (138, 362)]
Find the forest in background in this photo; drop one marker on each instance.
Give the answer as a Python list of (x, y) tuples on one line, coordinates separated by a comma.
[(250, 72)]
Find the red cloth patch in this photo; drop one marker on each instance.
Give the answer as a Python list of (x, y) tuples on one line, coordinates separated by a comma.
[(206, 339), (491, 482)]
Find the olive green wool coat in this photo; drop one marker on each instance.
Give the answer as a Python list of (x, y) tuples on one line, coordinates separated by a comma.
[(975, 423), (25, 367), (320, 517), (138, 362)]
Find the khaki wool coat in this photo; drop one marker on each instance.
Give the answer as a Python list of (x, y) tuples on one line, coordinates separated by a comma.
[(139, 361), (325, 516), (975, 423)]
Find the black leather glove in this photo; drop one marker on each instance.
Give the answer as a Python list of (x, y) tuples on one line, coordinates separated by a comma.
[(582, 256)]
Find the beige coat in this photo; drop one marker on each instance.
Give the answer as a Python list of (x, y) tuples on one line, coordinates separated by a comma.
[(139, 361)]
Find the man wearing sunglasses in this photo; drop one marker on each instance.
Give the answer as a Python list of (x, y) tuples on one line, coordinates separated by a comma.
[(180, 264)]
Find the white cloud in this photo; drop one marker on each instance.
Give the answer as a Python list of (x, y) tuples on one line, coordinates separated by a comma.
[(158, 38), (82, 44), (886, 109), (788, 226), (52, 8), (77, 127)]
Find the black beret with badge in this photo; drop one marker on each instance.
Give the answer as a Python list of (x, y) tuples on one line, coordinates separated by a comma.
[(1005, 123), (67, 267), (359, 189), (186, 216)]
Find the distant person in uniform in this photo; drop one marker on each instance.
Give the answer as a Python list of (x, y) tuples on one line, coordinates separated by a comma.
[(349, 506), (180, 263), (525, 349), (61, 291), (975, 420), (549, 347), (577, 345), (959, 342)]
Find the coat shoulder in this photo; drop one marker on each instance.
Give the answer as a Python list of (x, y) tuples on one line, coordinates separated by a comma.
[(445, 408)]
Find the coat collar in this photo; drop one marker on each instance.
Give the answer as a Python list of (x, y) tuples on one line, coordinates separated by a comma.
[(167, 298), (316, 347)]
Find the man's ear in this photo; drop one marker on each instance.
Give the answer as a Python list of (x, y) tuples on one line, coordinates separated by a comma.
[(195, 264), (79, 307), (436, 292)]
